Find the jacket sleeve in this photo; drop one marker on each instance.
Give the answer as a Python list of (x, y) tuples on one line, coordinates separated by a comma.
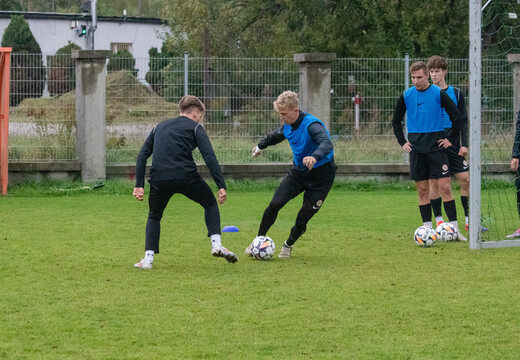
[(397, 122), (273, 138), (144, 154), (209, 156), (461, 106), (516, 143), (319, 135), (452, 111)]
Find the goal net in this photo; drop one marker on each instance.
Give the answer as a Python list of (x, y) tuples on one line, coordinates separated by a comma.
[(494, 217)]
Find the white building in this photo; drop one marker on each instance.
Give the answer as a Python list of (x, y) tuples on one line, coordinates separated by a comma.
[(54, 30)]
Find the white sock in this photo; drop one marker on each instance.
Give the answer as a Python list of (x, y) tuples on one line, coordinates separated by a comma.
[(454, 223), (216, 241), (439, 218), (148, 255), (466, 218), (428, 224)]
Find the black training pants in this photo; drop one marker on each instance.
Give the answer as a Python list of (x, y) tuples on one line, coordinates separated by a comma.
[(315, 184), (195, 189)]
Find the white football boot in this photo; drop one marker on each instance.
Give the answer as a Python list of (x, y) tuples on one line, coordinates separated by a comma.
[(144, 264), (285, 252), (461, 237), (225, 253), (249, 250)]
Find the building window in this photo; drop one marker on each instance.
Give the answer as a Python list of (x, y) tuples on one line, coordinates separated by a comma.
[(115, 47)]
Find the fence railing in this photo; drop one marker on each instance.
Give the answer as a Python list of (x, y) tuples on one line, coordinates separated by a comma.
[(238, 93)]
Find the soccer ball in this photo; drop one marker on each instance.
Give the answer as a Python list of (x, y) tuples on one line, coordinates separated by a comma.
[(425, 236), (262, 247), (446, 232)]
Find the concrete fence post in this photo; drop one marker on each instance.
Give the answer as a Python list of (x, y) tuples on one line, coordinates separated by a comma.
[(90, 112), (315, 75)]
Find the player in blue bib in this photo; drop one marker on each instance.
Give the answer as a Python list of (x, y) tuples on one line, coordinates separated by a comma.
[(427, 142), (438, 68), (313, 169)]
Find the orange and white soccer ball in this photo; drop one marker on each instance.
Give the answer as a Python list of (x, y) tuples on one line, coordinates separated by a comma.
[(446, 232), (425, 236), (262, 247)]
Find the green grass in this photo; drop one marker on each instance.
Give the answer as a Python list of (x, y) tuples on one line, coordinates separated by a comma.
[(357, 287)]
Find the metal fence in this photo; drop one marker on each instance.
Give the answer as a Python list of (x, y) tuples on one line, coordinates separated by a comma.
[(238, 93)]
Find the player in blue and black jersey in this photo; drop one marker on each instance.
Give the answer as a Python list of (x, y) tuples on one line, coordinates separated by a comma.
[(313, 169), (424, 104), (458, 150)]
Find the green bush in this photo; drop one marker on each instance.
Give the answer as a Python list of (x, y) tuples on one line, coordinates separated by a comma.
[(62, 70), (122, 60), (27, 71)]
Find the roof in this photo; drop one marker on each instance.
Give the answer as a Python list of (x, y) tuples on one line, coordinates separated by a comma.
[(80, 17)]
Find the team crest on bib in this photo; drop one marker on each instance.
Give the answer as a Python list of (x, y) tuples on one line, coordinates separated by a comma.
[(444, 167), (465, 163), (319, 203)]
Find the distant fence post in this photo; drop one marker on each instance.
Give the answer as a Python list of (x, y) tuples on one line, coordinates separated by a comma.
[(315, 75), (90, 112), (515, 59)]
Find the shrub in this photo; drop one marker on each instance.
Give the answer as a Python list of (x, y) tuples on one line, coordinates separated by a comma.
[(62, 70), (122, 60)]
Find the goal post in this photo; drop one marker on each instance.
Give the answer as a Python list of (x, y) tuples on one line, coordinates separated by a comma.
[(475, 120), (5, 68)]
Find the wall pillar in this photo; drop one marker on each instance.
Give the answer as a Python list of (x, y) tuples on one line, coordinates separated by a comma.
[(315, 75), (90, 112), (515, 59)]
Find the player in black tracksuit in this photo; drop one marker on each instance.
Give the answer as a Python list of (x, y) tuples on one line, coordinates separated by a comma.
[(427, 141), (514, 166), (173, 171)]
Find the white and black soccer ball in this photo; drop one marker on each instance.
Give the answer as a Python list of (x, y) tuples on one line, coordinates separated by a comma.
[(425, 236), (446, 232), (262, 247)]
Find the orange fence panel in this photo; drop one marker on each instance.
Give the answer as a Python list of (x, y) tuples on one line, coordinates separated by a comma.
[(5, 68)]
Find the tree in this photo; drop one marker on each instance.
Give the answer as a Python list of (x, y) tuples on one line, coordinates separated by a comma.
[(122, 60), (62, 71), (27, 71)]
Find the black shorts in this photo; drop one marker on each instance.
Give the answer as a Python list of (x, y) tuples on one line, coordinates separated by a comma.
[(426, 166), (457, 163)]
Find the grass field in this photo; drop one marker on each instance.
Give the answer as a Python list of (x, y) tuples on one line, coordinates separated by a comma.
[(357, 287)]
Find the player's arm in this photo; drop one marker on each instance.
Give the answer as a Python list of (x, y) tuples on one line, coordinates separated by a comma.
[(461, 106), (319, 135), (140, 166), (516, 146), (273, 138), (206, 150), (397, 123), (452, 111)]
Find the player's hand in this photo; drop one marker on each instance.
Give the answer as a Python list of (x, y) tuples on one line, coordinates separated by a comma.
[(256, 151), (407, 147), (139, 193), (309, 161), (463, 151), (514, 164), (445, 143), (222, 196)]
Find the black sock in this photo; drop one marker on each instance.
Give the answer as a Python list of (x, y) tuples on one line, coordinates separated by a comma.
[(426, 212), (465, 200), (289, 242), (436, 206), (451, 210)]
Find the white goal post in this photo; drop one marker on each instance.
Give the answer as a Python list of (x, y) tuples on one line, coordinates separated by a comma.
[(475, 131)]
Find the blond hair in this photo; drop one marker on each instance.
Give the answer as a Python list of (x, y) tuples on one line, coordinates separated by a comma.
[(189, 103), (286, 100)]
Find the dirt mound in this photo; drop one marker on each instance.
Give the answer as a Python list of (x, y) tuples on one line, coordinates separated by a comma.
[(128, 102)]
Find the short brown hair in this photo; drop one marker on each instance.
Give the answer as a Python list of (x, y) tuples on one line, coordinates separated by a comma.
[(419, 65), (189, 103), (437, 62), (286, 100)]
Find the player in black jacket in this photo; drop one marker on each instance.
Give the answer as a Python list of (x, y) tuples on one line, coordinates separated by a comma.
[(514, 166), (173, 171)]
